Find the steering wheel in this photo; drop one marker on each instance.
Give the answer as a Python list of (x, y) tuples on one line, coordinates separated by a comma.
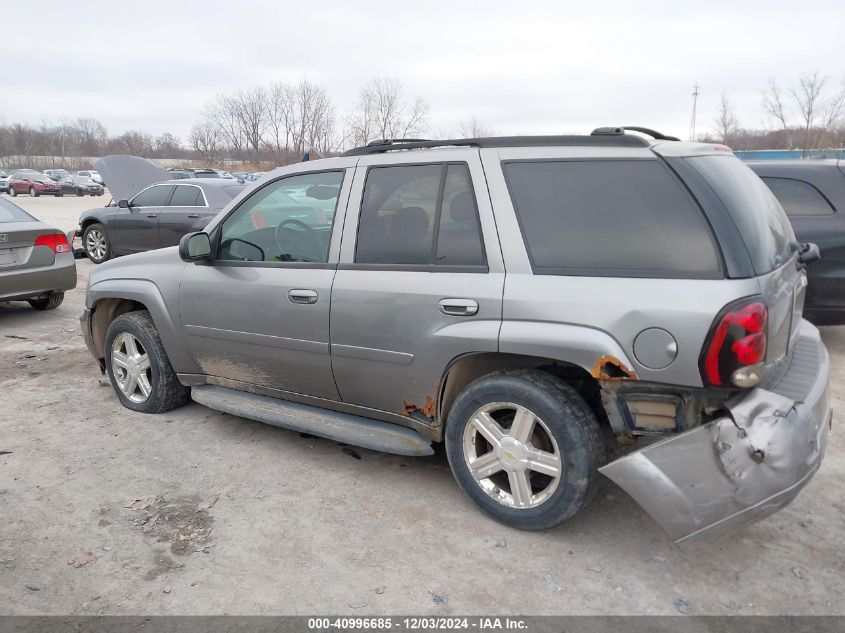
[(312, 236)]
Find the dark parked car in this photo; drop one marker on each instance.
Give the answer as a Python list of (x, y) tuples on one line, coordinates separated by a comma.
[(813, 195), (152, 211), (33, 183), (36, 264), (80, 186)]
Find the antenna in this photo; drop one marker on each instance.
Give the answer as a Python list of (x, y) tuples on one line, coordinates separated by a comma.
[(694, 104)]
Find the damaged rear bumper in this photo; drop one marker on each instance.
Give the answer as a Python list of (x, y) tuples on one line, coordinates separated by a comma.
[(708, 482)]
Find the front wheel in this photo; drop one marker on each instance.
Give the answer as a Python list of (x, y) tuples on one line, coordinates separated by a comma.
[(79, 193), (525, 447), (33, 192), (96, 243), (12, 192), (138, 367)]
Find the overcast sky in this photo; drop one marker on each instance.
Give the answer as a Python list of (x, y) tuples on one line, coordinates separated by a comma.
[(520, 67)]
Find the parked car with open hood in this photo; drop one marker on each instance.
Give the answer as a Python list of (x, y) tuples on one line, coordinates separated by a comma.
[(152, 211), (33, 183), (812, 192), (520, 299), (36, 263)]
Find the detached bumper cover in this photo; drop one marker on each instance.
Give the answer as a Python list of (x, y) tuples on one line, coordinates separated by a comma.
[(708, 482)]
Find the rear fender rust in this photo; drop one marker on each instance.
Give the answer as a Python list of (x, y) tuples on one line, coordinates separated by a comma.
[(608, 367)]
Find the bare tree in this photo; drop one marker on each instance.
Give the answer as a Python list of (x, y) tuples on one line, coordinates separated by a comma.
[(775, 107), (249, 108), (727, 125), (136, 143), (808, 99), (281, 116), (91, 136), (472, 128), (383, 112), (833, 111), (167, 145), (223, 114), (205, 139)]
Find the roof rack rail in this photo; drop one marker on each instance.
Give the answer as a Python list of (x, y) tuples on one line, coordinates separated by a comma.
[(649, 132), (618, 140), (392, 141)]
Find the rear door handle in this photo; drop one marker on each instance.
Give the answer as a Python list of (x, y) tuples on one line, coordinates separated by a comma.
[(299, 295), (458, 307), (193, 215), (152, 215)]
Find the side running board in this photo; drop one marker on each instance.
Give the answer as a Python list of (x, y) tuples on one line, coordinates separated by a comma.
[(340, 427)]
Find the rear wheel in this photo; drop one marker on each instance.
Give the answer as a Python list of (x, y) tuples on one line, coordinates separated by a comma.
[(525, 447), (96, 243), (138, 367), (50, 302)]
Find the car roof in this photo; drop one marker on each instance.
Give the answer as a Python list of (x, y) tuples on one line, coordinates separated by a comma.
[(202, 182)]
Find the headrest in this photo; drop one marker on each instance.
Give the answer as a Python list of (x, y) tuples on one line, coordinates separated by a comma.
[(461, 208)]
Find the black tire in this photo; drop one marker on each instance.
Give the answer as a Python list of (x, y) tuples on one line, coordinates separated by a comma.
[(565, 416), (50, 302), (166, 391), (79, 192), (33, 192), (96, 226), (60, 195), (13, 192)]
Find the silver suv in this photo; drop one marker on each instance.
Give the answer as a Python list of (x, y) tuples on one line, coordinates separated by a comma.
[(529, 301)]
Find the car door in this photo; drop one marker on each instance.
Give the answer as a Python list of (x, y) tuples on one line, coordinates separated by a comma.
[(257, 315), (137, 225), (188, 209), (420, 279)]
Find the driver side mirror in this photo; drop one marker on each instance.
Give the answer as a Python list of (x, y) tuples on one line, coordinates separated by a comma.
[(123, 204), (195, 247)]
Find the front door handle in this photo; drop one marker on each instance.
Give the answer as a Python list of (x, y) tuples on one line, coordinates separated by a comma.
[(458, 307), (193, 215), (152, 215), (299, 295)]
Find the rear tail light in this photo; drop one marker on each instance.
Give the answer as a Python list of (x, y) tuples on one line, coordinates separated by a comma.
[(735, 351), (56, 242)]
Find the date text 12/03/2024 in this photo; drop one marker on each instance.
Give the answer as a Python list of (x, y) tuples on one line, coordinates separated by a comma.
[(416, 624)]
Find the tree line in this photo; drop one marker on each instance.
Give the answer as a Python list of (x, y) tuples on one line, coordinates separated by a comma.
[(808, 114), (278, 122)]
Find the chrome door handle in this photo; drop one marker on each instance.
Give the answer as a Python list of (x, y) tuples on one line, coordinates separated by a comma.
[(458, 307), (298, 295), (152, 215), (193, 215)]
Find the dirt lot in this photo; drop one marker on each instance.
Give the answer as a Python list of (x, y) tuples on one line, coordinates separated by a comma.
[(103, 510)]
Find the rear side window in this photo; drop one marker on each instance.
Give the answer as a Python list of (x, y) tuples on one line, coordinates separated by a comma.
[(12, 213), (757, 214), (187, 196), (627, 218), (419, 215), (153, 197), (798, 197)]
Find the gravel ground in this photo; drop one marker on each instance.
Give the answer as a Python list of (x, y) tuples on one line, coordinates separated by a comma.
[(107, 511)]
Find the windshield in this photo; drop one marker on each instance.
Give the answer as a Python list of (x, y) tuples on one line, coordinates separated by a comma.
[(758, 216), (12, 213)]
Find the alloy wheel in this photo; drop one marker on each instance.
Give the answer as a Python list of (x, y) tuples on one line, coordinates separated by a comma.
[(131, 367), (512, 455), (95, 244)]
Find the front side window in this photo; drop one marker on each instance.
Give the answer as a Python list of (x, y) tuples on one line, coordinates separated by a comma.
[(609, 217), (798, 197), (157, 196), (419, 215), (289, 220)]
